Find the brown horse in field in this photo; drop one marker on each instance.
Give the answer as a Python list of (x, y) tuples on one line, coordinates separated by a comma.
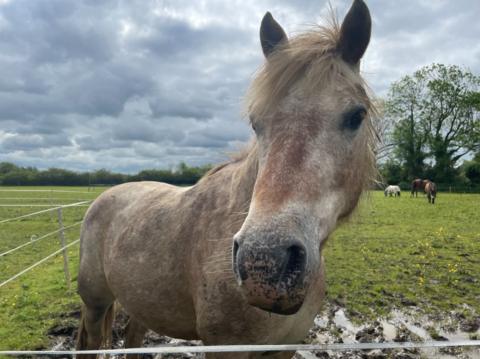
[(418, 185), (431, 191), (236, 258)]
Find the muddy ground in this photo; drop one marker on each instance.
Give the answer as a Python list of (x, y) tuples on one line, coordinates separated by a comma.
[(333, 326)]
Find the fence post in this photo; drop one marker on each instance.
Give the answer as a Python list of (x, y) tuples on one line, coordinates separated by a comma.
[(61, 235), (51, 204)]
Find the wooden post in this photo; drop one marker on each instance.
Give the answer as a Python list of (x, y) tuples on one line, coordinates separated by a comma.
[(61, 235)]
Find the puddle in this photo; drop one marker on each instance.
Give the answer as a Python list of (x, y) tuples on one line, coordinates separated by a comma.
[(398, 319), (389, 331), (341, 321), (321, 322)]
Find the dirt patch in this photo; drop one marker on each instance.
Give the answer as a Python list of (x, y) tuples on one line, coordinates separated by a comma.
[(63, 336), (333, 326)]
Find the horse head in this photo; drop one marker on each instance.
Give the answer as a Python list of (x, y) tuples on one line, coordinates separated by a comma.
[(310, 112)]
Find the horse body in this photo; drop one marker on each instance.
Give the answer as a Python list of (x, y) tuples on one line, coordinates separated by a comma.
[(136, 245), (237, 257), (431, 191), (392, 191), (418, 185), (202, 299)]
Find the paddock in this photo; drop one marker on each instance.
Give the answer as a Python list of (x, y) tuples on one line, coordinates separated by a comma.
[(402, 266)]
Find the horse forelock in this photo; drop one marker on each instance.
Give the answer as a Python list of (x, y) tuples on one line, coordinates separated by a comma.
[(313, 53)]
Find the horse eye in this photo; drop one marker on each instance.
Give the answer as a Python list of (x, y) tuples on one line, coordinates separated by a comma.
[(252, 123), (257, 127), (353, 119)]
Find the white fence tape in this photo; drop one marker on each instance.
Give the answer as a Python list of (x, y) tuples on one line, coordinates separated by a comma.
[(38, 205), (43, 211), (253, 348), (39, 238), (44, 190), (43, 199), (38, 263)]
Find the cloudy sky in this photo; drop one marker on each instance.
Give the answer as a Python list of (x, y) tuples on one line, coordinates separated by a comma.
[(128, 85)]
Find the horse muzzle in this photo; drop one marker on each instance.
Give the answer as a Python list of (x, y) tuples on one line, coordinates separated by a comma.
[(272, 277)]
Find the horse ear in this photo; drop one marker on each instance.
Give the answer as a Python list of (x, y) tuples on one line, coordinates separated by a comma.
[(271, 34), (355, 33)]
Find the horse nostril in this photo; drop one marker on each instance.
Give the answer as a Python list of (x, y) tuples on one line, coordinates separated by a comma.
[(235, 252), (296, 260), (238, 268)]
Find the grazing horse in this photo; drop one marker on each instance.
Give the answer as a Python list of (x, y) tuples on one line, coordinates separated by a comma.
[(236, 258), (392, 191), (418, 184), (431, 190)]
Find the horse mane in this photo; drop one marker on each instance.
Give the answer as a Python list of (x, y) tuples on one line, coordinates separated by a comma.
[(234, 157)]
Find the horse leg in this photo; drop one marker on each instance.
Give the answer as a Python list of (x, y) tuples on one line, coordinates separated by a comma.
[(95, 328), (134, 334)]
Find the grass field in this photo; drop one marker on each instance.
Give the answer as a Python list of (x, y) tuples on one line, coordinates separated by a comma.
[(32, 303), (396, 253), (403, 252)]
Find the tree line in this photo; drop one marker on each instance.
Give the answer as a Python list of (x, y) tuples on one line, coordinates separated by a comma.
[(429, 126), (13, 175)]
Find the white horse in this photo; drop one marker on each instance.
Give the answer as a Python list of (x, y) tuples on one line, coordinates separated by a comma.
[(392, 191)]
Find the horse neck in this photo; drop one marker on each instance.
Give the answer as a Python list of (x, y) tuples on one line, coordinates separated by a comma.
[(243, 177), (231, 185)]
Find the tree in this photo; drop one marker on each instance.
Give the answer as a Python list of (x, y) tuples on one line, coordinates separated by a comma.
[(404, 107), (383, 127), (391, 172), (451, 117), (472, 172), (438, 109), (6, 167)]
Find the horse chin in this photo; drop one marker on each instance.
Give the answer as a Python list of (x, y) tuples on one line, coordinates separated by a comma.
[(284, 305), (278, 308)]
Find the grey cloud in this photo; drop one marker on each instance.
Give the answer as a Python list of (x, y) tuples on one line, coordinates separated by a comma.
[(55, 31), (33, 142), (129, 85), (146, 131), (105, 89)]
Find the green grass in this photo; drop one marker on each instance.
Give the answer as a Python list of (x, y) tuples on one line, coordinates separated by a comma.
[(395, 253), (32, 303), (403, 252)]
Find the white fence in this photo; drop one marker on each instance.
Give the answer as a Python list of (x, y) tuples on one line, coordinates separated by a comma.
[(302, 349), (60, 232)]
